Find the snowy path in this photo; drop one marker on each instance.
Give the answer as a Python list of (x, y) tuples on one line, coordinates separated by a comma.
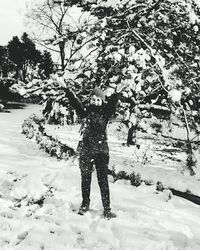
[(37, 194)]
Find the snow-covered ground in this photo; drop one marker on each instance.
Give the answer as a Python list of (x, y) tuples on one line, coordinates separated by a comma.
[(155, 160), (38, 194)]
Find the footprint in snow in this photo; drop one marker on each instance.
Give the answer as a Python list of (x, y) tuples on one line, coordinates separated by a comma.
[(20, 237), (5, 226), (6, 214), (80, 237)]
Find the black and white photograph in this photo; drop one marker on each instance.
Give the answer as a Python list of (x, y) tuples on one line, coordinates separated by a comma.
[(100, 124)]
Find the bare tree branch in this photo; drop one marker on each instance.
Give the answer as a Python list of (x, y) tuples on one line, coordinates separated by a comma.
[(42, 44), (96, 48), (78, 49)]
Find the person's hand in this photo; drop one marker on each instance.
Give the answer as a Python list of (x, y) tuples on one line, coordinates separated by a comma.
[(59, 80), (121, 87), (23, 92), (62, 82)]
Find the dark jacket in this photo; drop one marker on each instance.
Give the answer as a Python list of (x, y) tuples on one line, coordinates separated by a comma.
[(94, 122)]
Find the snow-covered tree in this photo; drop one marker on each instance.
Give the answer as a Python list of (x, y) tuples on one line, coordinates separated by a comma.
[(154, 47), (151, 46), (60, 27)]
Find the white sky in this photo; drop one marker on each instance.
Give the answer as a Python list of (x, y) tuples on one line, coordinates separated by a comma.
[(11, 19)]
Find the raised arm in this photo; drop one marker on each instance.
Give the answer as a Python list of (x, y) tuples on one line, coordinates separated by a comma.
[(111, 105), (74, 101)]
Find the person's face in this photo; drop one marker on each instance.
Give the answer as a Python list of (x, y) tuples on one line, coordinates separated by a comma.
[(95, 100)]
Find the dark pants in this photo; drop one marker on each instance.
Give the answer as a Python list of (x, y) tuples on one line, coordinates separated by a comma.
[(100, 160)]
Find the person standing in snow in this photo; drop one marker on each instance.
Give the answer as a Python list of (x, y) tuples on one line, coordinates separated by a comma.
[(93, 147)]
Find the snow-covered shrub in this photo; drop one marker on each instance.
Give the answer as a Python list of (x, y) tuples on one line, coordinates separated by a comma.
[(7, 92), (159, 186), (28, 128), (33, 129), (55, 106), (135, 179), (149, 182), (121, 175)]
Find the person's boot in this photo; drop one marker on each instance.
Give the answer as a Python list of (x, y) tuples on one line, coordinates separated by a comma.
[(83, 209), (108, 214)]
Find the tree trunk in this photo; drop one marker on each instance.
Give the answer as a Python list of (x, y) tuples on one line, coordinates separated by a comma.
[(62, 54), (191, 163), (131, 138), (5, 71), (17, 72)]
